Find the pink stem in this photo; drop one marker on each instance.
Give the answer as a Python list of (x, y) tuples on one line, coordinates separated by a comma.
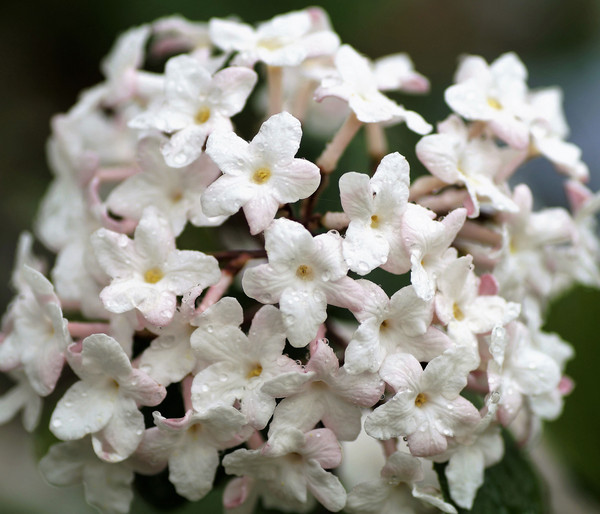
[(255, 441), (334, 150), (425, 185), (275, 81), (125, 226), (480, 234), (216, 292), (80, 330), (390, 446), (186, 391)]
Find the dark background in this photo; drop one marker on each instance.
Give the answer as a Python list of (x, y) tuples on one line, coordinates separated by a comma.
[(51, 50)]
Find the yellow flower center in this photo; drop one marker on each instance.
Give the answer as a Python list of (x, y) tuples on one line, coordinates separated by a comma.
[(374, 221), (152, 276), (304, 272), (457, 313), (494, 104), (384, 324), (176, 196), (261, 175), (202, 115), (420, 400), (255, 371)]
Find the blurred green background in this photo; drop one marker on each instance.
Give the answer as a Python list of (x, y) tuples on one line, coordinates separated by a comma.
[(51, 50)]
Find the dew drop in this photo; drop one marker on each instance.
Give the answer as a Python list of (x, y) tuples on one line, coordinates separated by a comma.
[(223, 378), (204, 388), (57, 423)]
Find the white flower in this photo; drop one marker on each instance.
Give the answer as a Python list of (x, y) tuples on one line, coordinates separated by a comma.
[(456, 159), (392, 325), (285, 40), (261, 175), (174, 191), (400, 489), (375, 207), (104, 403), (195, 105), (396, 73), (331, 395), (107, 485), (496, 94), (357, 84), (21, 397), (239, 365), (294, 463), (427, 407), (191, 447), (148, 272), (304, 274)]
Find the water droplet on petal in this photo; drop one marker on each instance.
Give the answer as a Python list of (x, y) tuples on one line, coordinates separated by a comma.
[(57, 423)]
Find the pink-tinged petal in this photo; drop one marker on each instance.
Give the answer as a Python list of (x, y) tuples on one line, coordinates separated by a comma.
[(152, 454), (511, 130), (115, 252), (108, 487), (283, 239), (122, 435), (447, 374), (322, 446), (438, 154), (356, 196), (278, 138), (415, 313), (237, 492), (218, 384), (62, 465), (186, 79), (322, 359), (231, 87), (488, 285), (260, 211), (426, 441), (325, 487), (227, 195), (369, 497), (153, 237), (192, 468), (231, 35), (344, 292), (403, 467), (268, 331), (84, 409), (402, 371), (102, 355), (301, 411), (143, 389), (286, 384), (364, 353), (342, 418), (229, 152), (185, 146), (303, 312), (363, 390), (186, 269), (465, 475), (168, 360), (364, 248), (43, 370), (394, 418), (297, 179), (157, 307)]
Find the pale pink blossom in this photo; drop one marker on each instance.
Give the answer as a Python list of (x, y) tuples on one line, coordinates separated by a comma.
[(261, 175), (148, 272), (304, 274)]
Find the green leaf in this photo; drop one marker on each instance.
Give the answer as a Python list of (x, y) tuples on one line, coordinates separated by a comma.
[(510, 487)]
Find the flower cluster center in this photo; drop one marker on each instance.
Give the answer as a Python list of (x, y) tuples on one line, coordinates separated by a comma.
[(255, 371)]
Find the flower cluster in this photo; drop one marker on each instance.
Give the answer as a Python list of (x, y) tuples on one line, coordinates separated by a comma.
[(228, 353)]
